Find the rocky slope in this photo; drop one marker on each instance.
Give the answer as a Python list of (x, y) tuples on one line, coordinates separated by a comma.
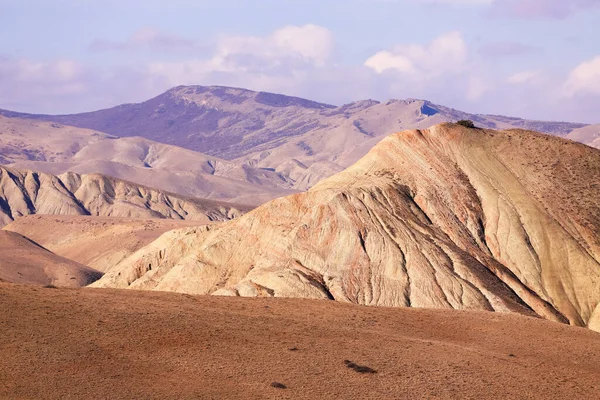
[(26, 192), (446, 217), (300, 140), (25, 262)]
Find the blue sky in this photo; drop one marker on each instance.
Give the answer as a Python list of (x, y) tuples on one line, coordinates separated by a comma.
[(528, 58)]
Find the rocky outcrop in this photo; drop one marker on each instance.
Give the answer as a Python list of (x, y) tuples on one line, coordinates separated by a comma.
[(447, 217), (26, 192)]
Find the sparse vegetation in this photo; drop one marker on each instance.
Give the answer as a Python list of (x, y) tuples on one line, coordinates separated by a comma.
[(467, 123), (278, 385), (361, 369), (50, 287)]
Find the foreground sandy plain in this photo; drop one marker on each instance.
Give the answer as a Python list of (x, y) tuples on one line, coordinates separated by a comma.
[(103, 343)]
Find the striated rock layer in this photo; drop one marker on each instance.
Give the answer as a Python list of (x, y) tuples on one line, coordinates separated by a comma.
[(26, 192), (447, 217)]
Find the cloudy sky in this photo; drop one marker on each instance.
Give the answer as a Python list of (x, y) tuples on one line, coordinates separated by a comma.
[(528, 58)]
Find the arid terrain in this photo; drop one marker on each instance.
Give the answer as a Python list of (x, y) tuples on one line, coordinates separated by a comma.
[(98, 242), (438, 262), (25, 262), (90, 343), (53, 148), (226, 143), (447, 217), (370, 199), (26, 192), (589, 135)]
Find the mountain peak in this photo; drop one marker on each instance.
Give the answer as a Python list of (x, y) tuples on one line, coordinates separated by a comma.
[(204, 94)]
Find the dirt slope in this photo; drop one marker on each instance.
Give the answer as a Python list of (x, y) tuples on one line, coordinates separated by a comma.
[(589, 135), (26, 192), (98, 242), (25, 262), (139, 345), (447, 217), (23, 139)]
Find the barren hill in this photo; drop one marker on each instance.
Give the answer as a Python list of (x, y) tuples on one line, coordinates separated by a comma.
[(100, 343), (447, 217), (296, 140), (98, 242), (26, 192), (24, 139), (589, 135), (25, 262)]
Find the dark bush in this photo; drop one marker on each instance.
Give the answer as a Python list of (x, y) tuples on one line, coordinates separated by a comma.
[(467, 123), (361, 369), (50, 287), (278, 385)]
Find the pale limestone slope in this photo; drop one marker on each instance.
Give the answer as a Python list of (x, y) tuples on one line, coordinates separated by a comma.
[(445, 218), (23, 139), (26, 192)]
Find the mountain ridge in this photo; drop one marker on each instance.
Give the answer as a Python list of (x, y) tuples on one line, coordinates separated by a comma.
[(26, 192), (295, 141)]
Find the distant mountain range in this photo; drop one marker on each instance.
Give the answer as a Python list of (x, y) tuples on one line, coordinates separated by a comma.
[(245, 146)]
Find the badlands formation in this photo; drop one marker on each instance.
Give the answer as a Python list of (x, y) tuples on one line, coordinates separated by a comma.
[(446, 217), (26, 192)]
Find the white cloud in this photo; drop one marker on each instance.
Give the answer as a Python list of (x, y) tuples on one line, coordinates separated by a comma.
[(524, 77), (286, 51), (31, 71), (447, 53), (24, 81), (309, 43), (298, 60), (477, 86), (585, 78)]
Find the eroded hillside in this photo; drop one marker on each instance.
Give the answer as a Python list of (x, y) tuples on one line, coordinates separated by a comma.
[(26, 192), (446, 217)]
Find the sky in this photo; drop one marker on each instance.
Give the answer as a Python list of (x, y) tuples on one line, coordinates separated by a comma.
[(537, 59)]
